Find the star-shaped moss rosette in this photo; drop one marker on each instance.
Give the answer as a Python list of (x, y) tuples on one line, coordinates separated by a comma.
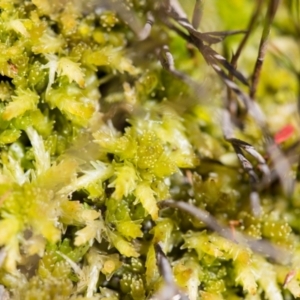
[(145, 158)]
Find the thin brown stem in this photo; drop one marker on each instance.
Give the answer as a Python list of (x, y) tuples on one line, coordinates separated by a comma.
[(169, 290), (250, 28), (232, 108), (273, 6), (197, 14)]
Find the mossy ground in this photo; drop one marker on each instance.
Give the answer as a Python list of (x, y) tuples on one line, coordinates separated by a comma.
[(94, 133)]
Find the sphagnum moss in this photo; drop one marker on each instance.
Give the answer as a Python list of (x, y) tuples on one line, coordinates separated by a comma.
[(94, 133)]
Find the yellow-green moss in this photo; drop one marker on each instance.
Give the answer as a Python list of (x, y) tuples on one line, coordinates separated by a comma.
[(94, 133)]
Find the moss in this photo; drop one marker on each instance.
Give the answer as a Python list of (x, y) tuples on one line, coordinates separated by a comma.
[(94, 133)]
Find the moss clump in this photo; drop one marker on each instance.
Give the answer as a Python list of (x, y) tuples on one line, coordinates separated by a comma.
[(94, 133)]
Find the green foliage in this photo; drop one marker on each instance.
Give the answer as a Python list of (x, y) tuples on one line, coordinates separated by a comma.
[(94, 134)]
